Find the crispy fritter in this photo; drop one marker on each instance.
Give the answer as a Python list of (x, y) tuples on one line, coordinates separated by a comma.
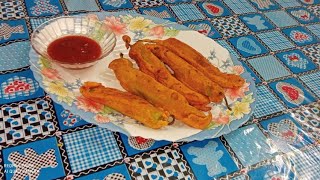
[(188, 74), (126, 103), (201, 63), (145, 86), (151, 65)]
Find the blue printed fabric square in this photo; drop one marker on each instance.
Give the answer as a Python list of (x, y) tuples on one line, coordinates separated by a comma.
[(292, 92), (315, 29), (164, 163), (68, 120), (314, 9), (214, 9), (204, 27), (176, 1), (306, 164), (288, 3), (254, 76), (13, 30), (90, 148), (36, 160), (313, 52), (263, 65), (208, 159), (230, 26), (19, 86), (159, 12), (250, 145), (128, 11), (264, 5), (267, 103), (119, 172), (146, 3), (256, 22), (300, 36), (135, 145), (43, 7), (286, 133), (225, 44), (87, 5), (312, 81), (278, 170), (12, 9), (275, 40), (14, 59), (308, 117), (296, 61), (303, 15), (186, 12), (116, 4), (248, 46), (240, 6), (281, 18), (26, 120), (240, 177)]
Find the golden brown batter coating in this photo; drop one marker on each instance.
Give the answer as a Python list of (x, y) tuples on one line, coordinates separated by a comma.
[(151, 65), (145, 86), (127, 104), (188, 74), (201, 63)]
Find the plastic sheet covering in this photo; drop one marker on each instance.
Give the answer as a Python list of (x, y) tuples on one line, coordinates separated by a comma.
[(276, 41)]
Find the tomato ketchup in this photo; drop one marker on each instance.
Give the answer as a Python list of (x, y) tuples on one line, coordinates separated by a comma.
[(74, 49)]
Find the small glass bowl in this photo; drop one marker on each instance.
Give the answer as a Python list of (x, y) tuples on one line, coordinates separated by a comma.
[(73, 26)]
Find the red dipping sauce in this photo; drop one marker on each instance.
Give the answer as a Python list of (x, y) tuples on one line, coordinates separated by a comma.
[(74, 49)]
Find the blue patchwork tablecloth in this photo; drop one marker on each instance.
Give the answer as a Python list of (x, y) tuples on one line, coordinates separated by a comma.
[(277, 41)]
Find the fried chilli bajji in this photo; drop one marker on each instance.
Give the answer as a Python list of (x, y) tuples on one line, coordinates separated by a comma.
[(188, 74), (145, 86), (151, 65), (201, 63), (127, 104)]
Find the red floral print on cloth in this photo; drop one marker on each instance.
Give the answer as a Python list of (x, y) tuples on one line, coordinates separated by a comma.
[(285, 130), (301, 37), (213, 9), (302, 14), (290, 92), (141, 140), (15, 86), (140, 143), (293, 57)]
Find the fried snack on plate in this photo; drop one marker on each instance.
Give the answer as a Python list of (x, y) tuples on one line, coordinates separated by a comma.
[(127, 104), (145, 86), (201, 63), (151, 65), (188, 74)]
